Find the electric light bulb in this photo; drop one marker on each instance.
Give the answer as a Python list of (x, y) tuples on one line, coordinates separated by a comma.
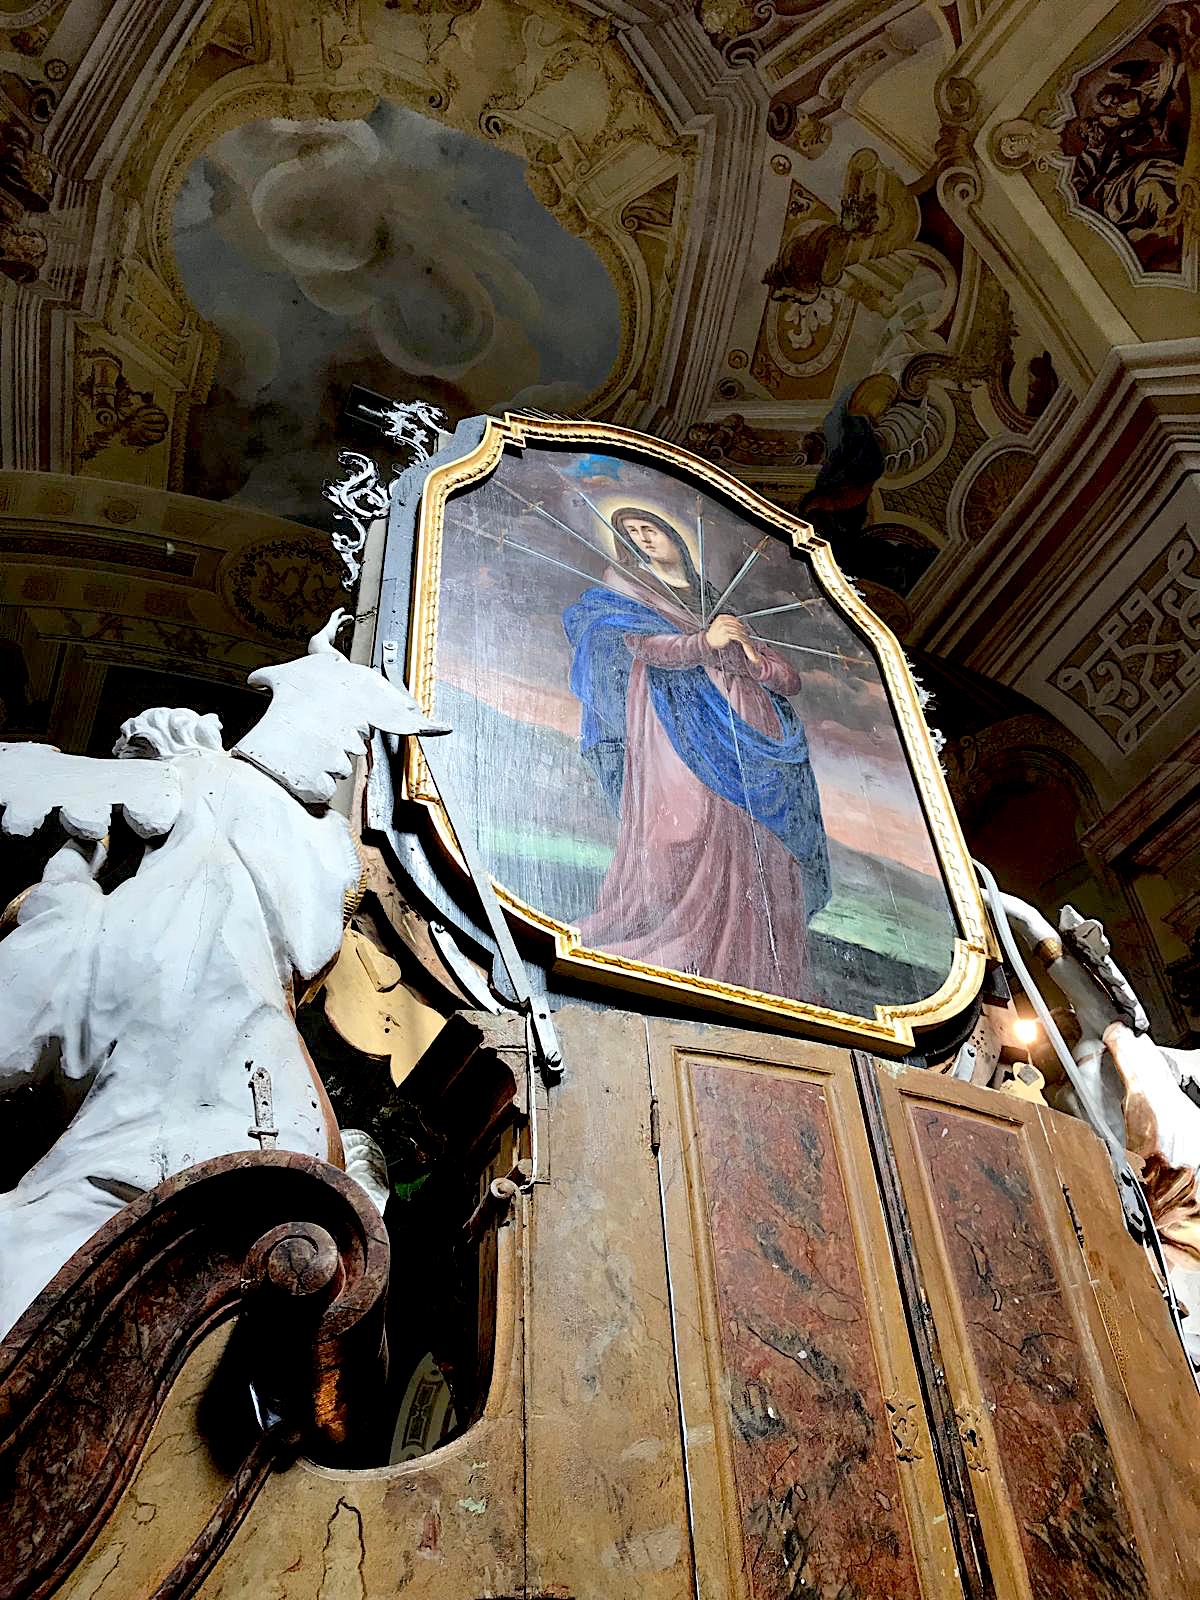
[(1025, 1030)]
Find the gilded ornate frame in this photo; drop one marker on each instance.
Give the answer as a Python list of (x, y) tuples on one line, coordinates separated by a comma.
[(892, 1029)]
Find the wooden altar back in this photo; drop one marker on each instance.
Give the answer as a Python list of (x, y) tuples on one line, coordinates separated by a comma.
[(782, 1322)]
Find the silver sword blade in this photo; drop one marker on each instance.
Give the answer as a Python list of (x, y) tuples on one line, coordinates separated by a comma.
[(741, 573)]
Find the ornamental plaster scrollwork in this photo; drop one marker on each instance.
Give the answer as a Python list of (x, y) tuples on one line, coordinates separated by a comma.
[(797, 129), (960, 183), (732, 439), (360, 497), (1144, 655), (1019, 143), (866, 254)]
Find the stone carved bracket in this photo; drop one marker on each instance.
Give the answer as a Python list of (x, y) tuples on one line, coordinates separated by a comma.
[(282, 1237)]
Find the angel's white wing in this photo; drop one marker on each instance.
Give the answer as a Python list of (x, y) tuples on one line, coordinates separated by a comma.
[(36, 779), (322, 708)]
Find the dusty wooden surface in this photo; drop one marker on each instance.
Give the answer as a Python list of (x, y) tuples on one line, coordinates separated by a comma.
[(175, 1488), (607, 1515), (1152, 1409), (1076, 1499), (809, 1468)]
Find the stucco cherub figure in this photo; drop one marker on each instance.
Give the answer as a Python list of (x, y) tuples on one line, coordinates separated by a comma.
[(155, 1002)]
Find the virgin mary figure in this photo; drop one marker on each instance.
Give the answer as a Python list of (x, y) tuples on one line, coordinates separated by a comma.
[(721, 856)]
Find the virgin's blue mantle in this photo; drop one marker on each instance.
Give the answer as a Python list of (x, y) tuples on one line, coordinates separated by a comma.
[(770, 778)]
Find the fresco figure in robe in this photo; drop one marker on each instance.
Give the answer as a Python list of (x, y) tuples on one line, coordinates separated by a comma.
[(721, 856)]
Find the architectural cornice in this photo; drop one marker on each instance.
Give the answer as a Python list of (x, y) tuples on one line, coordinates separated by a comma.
[(726, 111), (1137, 823), (1126, 443)]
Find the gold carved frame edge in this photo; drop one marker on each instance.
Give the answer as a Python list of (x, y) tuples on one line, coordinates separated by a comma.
[(891, 1030)]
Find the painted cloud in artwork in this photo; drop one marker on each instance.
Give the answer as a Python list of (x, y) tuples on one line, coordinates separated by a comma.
[(391, 252)]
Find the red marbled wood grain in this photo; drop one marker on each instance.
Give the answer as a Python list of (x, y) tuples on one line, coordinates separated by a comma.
[(815, 1464), (1058, 1468)]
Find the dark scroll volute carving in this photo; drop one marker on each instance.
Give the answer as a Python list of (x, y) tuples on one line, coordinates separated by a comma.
[(290, 1242)]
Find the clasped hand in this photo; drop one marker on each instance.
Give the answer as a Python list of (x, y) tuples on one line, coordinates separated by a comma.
[(725, 630)]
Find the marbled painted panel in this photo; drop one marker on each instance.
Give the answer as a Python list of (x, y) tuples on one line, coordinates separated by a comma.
[(813, 1454), (1056, 1461)]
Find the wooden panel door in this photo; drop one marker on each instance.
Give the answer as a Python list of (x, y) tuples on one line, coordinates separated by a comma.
[(606, 1509), (1075, 1407), (810, 1470)]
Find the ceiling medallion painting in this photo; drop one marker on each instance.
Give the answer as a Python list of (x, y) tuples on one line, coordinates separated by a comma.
[(1129, 137), (694, 757), (388, 251)]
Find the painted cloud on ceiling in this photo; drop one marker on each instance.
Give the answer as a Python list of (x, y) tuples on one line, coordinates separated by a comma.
[(391, 252)]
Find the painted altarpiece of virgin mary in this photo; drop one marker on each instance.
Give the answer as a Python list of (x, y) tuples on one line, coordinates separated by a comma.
[(690, 752)]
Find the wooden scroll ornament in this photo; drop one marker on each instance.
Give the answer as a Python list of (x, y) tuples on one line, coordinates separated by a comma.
[(291, 1244)]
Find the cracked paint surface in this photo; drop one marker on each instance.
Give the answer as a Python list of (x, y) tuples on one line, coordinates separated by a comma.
[(344, 1555), (1055, 1456), (822, 1516)]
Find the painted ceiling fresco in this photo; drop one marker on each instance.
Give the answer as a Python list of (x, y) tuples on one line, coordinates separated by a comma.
[(872, 256), (387, 251)]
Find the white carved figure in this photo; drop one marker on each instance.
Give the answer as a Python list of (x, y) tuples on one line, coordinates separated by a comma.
[(156, 1003), (1136, 1084)]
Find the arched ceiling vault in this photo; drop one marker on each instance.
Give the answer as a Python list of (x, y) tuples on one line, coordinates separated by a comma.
[(924, 270)]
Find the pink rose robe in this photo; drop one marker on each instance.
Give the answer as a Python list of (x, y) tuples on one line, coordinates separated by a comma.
[(695, 885)]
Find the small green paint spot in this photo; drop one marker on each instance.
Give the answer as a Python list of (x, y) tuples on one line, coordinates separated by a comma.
[(475, 1507)]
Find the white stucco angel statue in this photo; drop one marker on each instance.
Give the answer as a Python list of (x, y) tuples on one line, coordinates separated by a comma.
[(154, 1003)]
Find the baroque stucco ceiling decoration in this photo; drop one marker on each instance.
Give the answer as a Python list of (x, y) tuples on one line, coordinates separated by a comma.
[(855, 250), (110, 361), (550, 87)]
